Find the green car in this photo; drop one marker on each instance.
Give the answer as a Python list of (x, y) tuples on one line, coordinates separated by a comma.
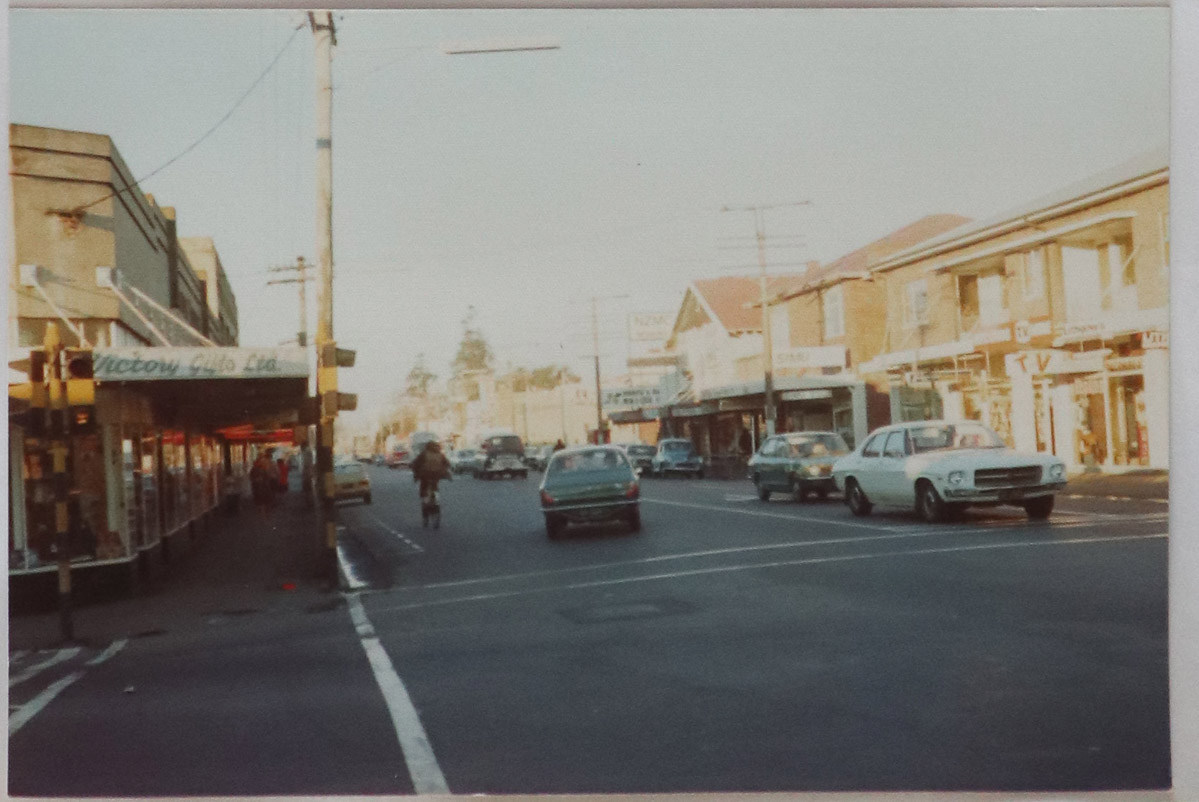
[(800, 463), (589, 484)]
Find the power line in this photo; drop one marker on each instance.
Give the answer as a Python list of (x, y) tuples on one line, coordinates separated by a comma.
[(207, 133)]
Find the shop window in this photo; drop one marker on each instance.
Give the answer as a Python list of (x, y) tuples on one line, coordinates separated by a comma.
[(834, 314), (915, 310), (968, 301)]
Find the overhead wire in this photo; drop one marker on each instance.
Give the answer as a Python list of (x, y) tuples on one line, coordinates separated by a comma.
[(224, 118)]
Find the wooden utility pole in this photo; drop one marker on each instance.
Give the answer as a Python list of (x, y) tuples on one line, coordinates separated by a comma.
[(326, 375)]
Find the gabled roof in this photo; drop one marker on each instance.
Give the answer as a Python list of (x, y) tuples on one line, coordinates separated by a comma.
[(857, 263), (734, 300), (1152, 165)]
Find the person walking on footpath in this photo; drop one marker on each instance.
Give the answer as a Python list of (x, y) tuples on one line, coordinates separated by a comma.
[(281, 467), (263, 484)]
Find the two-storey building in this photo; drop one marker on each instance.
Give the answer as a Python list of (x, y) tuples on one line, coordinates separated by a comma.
[(1048, 322)]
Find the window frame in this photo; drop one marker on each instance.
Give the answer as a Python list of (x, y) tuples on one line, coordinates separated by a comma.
[(910, 317)]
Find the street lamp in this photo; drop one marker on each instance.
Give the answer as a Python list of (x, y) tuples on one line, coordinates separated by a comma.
[(767, 339)]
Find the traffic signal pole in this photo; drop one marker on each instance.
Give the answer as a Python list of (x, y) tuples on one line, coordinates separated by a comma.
[(58, 433)]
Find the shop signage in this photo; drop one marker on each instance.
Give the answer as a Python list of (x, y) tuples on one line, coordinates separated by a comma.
[(994, 334), (819, 356), (1124, 363), (805, 395), (166, 364), (633, 397), (1113, 324), (650, 326), (1046, 361), (737, 404), (1025, 330), (1155, 339)]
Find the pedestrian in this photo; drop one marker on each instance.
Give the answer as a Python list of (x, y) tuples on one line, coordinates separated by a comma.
[(558, 446), (281, 467), (263, 485)]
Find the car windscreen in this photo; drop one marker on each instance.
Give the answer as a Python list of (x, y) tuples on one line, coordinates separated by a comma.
[(598, 459), (676, 446), (348, 468), (948, 436), (505, 444), (641, 451), (816, 445)]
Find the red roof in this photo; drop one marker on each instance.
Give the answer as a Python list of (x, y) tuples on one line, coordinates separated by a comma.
[(859, 261), (735, 299)]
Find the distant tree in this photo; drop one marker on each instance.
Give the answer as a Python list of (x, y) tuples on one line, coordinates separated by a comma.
[(550, 376), (473, 351)]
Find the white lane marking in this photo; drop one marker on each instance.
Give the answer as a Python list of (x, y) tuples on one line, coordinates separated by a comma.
[(23, 715), (761, 514), (415, 546), (60, 656), (738, 498), (353, 581), (109, 652), (757, 566), (414, 742)]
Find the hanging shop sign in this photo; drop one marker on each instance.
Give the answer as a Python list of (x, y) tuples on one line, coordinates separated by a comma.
[(818, 356), (1048, 361), (173, 364), (1025, 330)]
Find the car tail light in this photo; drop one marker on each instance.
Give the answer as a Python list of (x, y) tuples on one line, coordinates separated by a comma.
[(546, 498), (632, 491)]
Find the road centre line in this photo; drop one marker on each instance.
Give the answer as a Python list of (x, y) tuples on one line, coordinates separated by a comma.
[(902, 535), (60, 656), (758, 566), (23, 715), (387, 528), (414, 742)]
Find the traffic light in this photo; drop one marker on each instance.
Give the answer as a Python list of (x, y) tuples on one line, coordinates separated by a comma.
[(81, 390)]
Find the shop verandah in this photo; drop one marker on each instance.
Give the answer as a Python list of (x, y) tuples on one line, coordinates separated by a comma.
[(170, 437)]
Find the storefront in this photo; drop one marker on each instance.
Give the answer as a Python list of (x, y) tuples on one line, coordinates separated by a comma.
[(153, 466)]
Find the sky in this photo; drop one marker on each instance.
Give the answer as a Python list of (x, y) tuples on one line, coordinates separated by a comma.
[(523, 184)]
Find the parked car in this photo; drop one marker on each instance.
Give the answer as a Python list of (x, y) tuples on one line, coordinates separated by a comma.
[(677, 455), (351, 481), (538, 457), (799, 463), (641, 456), (504, 456), (465, 460), (940, 468), (588, 484)]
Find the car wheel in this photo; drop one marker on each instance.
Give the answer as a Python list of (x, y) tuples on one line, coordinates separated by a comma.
[(856, 499), (799, 491), (366, 499), (928, 502), (699, 474), (763, 493), (1038, 509), (634, 520), (822, 494), (524, 474), (553, 527)]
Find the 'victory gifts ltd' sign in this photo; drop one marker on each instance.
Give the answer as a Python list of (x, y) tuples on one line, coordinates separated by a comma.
[(165, 364)]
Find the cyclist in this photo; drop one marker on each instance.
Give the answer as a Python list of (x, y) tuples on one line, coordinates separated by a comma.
[(429, 468)]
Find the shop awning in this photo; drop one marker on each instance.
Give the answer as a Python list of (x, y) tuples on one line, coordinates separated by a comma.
[(212, 388)]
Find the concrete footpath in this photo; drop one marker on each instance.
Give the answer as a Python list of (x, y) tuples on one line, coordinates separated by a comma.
[(238, 564), (1139, 484)]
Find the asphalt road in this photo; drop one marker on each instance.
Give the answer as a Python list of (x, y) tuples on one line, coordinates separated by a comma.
[(732, 645)]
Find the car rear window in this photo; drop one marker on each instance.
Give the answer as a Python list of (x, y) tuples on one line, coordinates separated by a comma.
[(505, 444), (676, 445), (598, 459)]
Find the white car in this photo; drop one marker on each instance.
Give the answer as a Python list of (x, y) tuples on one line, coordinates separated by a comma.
[(940, 468)]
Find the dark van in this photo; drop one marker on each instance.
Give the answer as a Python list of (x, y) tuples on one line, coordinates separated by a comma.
[(504, 456)]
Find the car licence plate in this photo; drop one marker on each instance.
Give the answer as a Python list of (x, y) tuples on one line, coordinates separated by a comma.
[(1014, 494)]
